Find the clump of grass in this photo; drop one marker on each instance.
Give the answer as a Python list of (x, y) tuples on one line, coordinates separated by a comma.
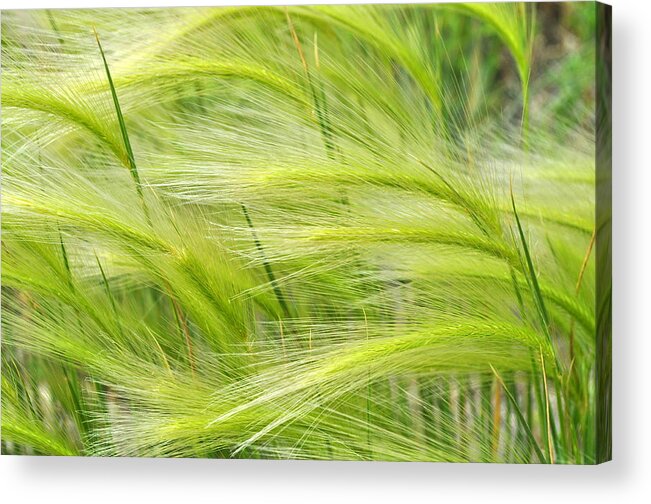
[(352, 232)]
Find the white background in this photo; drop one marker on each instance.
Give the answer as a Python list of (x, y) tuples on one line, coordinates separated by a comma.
[(625, 480)]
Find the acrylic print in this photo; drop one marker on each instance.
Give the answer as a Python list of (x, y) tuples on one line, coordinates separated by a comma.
[(364, 232)]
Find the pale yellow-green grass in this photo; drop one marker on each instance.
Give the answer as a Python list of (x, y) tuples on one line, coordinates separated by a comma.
[(328, 232)]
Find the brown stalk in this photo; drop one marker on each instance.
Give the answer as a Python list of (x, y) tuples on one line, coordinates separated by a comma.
[(297, 42), (585, 260), (497, 416), (184, 327)]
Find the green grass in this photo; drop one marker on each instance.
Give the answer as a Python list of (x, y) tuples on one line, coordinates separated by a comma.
[(328, 232)]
